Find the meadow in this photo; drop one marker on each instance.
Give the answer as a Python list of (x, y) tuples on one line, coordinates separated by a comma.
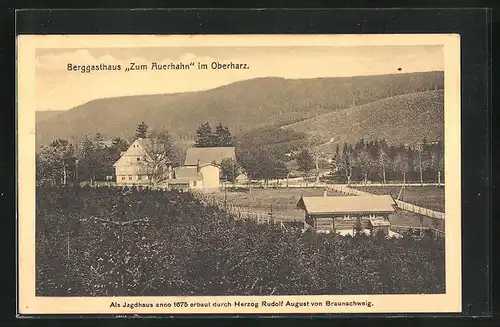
[(284, 200), (430, 197)]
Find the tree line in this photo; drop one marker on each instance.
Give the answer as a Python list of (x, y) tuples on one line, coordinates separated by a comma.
[(63, 161), (376, 160), (206, 138), (92, 159)]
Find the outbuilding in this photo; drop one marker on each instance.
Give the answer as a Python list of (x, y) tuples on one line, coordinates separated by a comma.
[(343, 214)]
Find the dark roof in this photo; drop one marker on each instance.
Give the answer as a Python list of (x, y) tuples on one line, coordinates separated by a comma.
[(208, 155), (347, 204), (187, 173)]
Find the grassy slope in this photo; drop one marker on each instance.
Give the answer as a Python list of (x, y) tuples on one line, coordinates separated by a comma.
[(429, 197), (400, 119)]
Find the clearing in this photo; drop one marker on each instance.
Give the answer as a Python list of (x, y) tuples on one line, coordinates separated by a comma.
[(431, 197), (284, 201)]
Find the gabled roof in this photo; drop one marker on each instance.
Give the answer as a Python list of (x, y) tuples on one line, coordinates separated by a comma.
[(347, 204), (136, 149), (143, 143), (140, 147), (208, 155), (187, 173)]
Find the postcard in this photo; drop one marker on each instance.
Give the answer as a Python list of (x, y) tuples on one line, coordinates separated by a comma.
[(238, 174)]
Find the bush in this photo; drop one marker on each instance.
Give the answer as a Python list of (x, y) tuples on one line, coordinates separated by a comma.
[(122, 242)]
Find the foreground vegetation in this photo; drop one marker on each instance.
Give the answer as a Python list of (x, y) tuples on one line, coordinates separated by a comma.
[(112, 242)]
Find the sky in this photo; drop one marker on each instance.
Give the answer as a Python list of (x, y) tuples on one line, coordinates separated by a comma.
[(60, 89)]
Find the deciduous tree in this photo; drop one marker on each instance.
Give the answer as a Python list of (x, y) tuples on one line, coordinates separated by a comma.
[(305, 161), (229, 169), (56, 162), (383, 160), (347, 162), (437, 161), (365, 163), (160, 154), (401, 164)]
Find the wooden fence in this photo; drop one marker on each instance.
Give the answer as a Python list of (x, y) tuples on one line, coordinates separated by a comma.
[(436, 233), (344, 189), (241, 213), (420, 210)]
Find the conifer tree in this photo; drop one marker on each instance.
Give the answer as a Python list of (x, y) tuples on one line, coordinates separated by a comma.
[(223, 137), (142, 131), (204, 136)]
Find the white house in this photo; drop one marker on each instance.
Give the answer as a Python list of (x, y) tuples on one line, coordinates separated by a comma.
[(200, 171), (206, 161), (195, 177), (185, 178), (132, 167)]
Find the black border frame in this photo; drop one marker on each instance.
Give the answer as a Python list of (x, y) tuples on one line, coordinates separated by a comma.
[(473, 25)]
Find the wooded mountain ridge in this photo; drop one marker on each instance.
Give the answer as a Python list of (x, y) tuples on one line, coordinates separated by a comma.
[(256, 104)]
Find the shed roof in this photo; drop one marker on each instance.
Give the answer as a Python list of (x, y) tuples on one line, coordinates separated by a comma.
[(347, 204), (376, 222), (208, 155), (187, 173)]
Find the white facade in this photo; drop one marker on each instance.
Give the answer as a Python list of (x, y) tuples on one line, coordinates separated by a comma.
[(131, 168), (211, 176)]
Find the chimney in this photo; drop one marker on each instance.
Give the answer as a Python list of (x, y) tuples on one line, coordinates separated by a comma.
[(325, 193)]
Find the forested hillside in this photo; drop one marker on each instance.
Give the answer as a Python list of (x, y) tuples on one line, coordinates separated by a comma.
[(242, 106)]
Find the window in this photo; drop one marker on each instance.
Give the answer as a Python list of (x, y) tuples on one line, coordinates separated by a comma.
[(194, 183), (130, 178), (123, 178), (138, 159)]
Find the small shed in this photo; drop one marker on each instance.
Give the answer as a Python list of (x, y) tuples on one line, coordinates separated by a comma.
[(329, 213), (379, 226)]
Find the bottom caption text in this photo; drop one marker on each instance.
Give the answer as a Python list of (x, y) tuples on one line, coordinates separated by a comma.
[(240, 304)]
